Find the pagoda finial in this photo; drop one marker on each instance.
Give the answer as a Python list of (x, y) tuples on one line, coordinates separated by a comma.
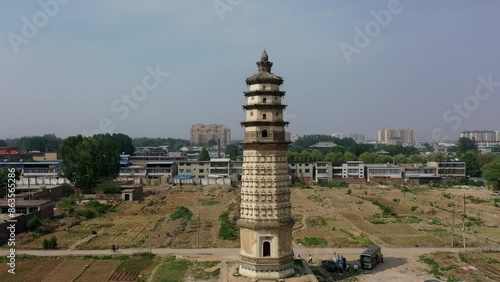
[(264, 57)]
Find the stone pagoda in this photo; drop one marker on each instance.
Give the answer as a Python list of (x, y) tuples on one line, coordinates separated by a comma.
[(265, 213)]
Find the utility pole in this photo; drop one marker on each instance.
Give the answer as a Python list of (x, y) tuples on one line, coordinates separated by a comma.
[(198, 229), (453, 227), (149, 237), (463, 222)]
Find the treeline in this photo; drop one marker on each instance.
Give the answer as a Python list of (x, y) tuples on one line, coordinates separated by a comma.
[(45, 143), (348, 145), (367, 157), (52, 143)]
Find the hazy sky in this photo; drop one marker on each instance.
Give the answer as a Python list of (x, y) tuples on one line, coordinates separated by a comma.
[(68, 74)]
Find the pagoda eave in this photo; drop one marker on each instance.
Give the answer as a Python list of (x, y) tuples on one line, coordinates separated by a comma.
[(264, 92), (265, 106), (264, 123)]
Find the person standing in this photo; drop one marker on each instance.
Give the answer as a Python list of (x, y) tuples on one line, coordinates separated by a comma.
[(355, 267), (113, 248), (310, 259), (381, 258)]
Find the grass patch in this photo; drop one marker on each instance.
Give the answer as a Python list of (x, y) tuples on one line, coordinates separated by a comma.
[(412, 219), (228, 229), (377, 222), (181, 212), (387, 211), (208, 202), (315, 198), (315, 241), (136, 262), (171, 270), (435, 269)]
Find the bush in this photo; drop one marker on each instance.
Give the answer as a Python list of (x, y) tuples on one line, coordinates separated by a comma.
[(227, 230), (87, 213), (108, 187), (181, 212), (94, 232), (33, 223), (414, 208), (51, 243)]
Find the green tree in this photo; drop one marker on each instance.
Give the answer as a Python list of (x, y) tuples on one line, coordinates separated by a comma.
[(348, 156), (204, 156), (417, 159), (471, 164), (437, 156), (3, 143), (88, 161), (123, 143), (33, 223), (484, 159), (5, 175), (211, 143), (465, 144), (334, 157), (399, 159), (292, 156), (316, 155), (232, 150), (369, 158), (491, 172)]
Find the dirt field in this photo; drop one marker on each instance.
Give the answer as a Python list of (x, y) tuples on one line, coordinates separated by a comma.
[(325, 217)]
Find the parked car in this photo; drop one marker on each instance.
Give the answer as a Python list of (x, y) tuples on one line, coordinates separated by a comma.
[(330, 265), (495, 193)]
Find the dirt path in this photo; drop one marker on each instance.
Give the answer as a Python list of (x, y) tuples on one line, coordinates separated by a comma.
[(400, 264), (304, 225)]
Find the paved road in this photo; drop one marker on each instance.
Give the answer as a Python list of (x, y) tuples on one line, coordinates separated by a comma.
[(229, 253)]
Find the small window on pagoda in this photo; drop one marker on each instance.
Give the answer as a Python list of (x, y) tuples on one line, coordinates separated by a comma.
[(276, 98), (264, 133), (277, 114), (264, 100), (251, 113), (264, 116)]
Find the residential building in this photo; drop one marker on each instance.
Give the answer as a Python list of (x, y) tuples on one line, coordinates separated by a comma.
[(340, 135), (382, 171), (454, 169), (202, 133), (301, 171), (159, 169), (396, 136), (220, 167), (198, 169), (358, 137), (481, 135)]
